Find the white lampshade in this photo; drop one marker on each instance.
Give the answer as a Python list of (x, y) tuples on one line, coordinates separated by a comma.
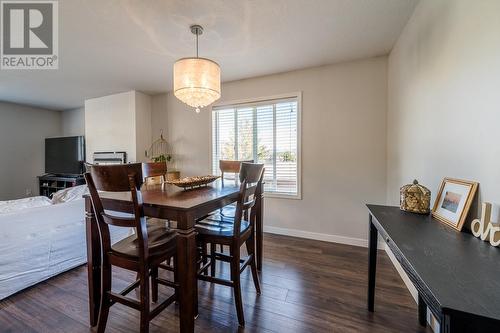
[(197, 81)]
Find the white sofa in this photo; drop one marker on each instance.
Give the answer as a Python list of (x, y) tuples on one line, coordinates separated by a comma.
[(40, 238)]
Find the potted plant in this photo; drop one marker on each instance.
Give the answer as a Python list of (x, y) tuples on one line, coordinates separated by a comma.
[(162, 158)]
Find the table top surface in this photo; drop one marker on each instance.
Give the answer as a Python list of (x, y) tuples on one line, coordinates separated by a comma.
[(460, 270), (171, 196)]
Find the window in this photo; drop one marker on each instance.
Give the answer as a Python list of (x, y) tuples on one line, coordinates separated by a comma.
[(266, 132)]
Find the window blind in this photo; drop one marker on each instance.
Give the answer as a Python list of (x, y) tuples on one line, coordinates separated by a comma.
[(266, 132)]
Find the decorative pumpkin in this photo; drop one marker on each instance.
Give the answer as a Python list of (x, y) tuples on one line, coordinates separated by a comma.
[(415, 198)]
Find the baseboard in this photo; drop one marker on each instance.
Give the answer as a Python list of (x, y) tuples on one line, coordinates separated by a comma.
[(321, 237)]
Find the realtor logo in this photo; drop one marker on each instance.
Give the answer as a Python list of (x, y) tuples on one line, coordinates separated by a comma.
[(29, 34)]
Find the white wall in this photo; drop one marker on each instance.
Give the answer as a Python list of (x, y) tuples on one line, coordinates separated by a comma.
[(142, 125), (23, 130), (119, 122), (73, 122), (343, 144), (110, 124), (444, 99)]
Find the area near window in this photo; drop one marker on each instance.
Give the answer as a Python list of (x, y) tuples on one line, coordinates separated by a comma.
[(266, 132)]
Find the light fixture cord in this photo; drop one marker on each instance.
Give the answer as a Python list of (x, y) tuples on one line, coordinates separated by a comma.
[(197, 43)]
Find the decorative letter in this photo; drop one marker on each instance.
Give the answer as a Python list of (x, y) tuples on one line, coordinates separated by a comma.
[(481, 228), (495, 234), (484, 229)]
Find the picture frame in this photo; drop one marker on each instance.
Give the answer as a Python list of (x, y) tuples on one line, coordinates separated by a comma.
[(453, 201)]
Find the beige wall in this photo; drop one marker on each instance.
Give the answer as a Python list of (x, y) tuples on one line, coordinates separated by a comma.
[(73, 122), (343, 144), (444, 99), (187, 133), (23, 130)]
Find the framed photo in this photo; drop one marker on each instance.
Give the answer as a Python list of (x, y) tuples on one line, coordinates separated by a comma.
[(453, 201)]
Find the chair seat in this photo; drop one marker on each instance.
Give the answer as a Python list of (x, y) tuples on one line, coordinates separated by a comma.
[(161, 241), (228, 219), (229, 211), (219, 226)]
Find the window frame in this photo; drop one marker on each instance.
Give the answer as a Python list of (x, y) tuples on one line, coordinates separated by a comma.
[(273, 99)]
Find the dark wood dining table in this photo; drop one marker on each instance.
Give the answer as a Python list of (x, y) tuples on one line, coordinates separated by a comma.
[(167, 202)]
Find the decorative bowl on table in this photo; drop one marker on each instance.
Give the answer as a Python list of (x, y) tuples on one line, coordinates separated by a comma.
[(191, 182)]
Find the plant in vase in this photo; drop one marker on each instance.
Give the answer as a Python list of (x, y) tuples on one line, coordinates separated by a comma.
[(162, 158)]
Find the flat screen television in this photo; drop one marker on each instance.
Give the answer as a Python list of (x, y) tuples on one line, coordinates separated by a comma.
[(65, 155)]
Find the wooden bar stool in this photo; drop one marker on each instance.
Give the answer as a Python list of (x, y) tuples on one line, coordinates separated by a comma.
[(234, 233), (230, 166), (157, 169), (142, 253), (154, 169)]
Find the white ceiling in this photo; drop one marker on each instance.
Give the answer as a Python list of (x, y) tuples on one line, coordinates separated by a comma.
[(110, 46)]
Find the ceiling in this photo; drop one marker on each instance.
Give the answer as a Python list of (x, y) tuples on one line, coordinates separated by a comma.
[(110, 46)]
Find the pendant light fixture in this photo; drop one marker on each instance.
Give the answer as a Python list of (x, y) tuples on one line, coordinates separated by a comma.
[(197, 80)]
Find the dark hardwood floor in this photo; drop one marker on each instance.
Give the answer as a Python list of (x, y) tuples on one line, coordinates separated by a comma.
[(308, 286)]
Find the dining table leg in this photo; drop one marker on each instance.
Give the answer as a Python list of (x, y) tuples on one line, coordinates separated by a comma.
[(188, 289), (259, 232), (93, 262)]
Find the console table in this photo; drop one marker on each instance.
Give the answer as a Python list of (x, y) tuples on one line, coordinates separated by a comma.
[(457, 275), (49, 184)]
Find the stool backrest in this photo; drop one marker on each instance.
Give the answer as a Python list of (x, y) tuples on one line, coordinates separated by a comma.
[(118, 178), (231, 166), (154, 169), (251, 175)]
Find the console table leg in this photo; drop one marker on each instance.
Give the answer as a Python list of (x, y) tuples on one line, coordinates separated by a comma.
[(372, 264), (422, 311)]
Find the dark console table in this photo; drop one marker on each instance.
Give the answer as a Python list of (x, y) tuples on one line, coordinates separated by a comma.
[(49, 184), (457, 275)]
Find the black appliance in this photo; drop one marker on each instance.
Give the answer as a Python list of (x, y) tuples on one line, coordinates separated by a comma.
[(65, 155)]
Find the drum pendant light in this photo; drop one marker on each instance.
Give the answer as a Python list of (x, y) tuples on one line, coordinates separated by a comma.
[(197, 80)]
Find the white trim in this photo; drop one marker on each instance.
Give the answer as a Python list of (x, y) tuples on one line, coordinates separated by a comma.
[(279, 195), (433, 323), (299, 145), (402, 273), (250, 100), (321, 237)]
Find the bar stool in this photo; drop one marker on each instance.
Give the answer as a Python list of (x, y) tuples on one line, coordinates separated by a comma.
[(143, 252), (233, 233)]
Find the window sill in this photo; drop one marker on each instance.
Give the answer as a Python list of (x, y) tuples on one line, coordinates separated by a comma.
[(282, 196)]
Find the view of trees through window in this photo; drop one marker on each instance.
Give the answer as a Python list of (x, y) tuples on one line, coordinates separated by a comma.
[(265, 133)]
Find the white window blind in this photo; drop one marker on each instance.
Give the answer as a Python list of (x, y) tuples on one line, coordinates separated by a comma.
[(266, 132)]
